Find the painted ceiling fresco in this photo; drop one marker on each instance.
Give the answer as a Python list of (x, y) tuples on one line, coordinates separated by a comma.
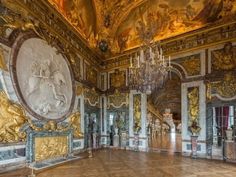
[(114, 26)]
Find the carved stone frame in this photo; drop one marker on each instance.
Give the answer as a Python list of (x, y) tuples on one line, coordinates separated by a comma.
[(12, 65)]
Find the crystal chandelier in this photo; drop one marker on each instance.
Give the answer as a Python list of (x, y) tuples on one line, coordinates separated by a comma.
[(148, 67)]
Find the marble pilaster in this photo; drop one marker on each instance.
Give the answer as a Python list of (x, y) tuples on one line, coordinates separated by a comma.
[(142, 144)]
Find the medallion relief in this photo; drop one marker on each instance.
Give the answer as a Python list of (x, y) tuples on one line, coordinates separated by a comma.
[(43, 80)]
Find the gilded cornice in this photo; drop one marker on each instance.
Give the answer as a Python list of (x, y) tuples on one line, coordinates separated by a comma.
[(188, 42)]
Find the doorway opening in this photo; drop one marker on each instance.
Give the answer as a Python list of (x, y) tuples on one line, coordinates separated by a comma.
[(223, 129), (164, 117)]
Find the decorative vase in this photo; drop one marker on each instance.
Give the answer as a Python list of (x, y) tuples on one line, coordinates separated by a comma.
[(229, 134)]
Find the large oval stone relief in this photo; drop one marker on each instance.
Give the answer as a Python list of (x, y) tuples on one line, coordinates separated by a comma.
[(43, 80)]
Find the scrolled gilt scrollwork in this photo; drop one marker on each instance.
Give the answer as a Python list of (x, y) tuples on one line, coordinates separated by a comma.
[(49, 126), (223, 89), (91, 96), (118, 99)]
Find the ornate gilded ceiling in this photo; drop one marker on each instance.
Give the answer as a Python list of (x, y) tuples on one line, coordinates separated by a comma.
[(113, 26)]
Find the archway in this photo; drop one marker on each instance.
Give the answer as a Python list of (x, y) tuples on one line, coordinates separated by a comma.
[(164, 116)]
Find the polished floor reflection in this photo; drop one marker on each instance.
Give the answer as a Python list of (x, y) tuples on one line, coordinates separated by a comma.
[(118, 163), (171, 142)]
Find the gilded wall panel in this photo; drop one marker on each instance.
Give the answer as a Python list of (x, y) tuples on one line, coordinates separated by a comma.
[(91, 75), (193, 110), (192, 64), (50, 147), (224, 59), (118, 79)]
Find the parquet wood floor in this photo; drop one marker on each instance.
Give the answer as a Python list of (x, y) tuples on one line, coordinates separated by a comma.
[(168, 141), (119, 163)]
